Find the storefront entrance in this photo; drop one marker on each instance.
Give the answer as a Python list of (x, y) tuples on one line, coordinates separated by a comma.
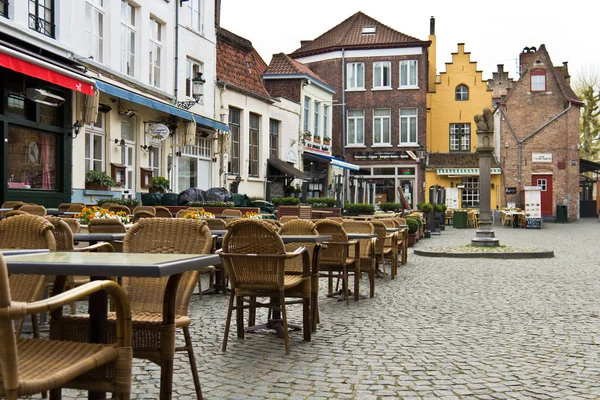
[(545, 182)]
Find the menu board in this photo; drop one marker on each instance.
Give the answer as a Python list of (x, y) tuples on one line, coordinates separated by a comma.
[(452, 198), (533, 207)]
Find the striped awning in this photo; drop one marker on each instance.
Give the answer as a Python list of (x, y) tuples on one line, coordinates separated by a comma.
[(465, 171)]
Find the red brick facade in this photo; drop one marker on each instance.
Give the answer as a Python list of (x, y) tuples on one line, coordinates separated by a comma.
[(288, 88)]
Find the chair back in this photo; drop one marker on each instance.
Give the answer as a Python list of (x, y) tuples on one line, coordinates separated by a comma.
[(215, 224), (181, 213), (401, 221), (108, 205), (76, 207), (137, 216), (162, 235), (149, 209), (336, 219), (106, 225), (232, 213), (352, 226), (15, 205), (389, 223), (273, 222), (119, 207), (287, 218), (33, 209), (339, 235), (8, 344), (253, 236), (62, 234), (381, 230), (162, 212), (194, 209), (73, 224), (299, 227)]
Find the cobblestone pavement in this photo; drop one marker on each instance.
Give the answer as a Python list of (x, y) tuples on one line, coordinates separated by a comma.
[(444, 329)]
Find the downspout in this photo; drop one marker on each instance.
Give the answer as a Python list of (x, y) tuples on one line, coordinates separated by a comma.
[(344, 123), (176, 90)]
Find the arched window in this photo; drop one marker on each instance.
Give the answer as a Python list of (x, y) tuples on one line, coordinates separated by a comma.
[(462, 92)]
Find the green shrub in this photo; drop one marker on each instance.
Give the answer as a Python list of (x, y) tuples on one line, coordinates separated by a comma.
[(161, 184), (444, 207), (211, 204), (99, 178), (118, 200), (360, 208), (426, 208), (252, 198), (413, 225), (438, 208), (285, 201), (390, 207), (321, 202), (420, 205)]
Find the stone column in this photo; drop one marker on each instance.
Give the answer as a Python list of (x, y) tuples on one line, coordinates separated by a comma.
[(485, 133)]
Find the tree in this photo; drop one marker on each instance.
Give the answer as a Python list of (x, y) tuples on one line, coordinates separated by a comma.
[(587, 88)]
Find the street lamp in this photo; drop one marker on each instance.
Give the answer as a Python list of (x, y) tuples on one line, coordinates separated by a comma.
[(197, 92)]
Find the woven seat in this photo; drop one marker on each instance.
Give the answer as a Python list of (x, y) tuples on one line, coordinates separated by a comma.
[(151, 339), (366, 254), (231, 213), (27, 232), (255, 259), (30, 366), (162, 212), (71, 207), (33, 209)]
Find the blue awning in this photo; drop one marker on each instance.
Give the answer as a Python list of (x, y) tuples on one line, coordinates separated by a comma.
[(336, 162), (159, 105)]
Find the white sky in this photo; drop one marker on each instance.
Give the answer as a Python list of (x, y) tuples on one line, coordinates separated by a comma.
[(494, 32)]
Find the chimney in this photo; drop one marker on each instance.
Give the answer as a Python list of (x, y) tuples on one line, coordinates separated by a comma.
[(218, 13), (526, 58), (432, 57), (432, 25), (566, 73)]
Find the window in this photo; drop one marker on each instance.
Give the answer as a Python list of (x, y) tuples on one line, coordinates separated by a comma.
[(253, 139), (32, 159), (382, 75), (273, 139), (95, 136), (326, 122), (195, 14), (462, 92), (470, 192), (538, 80), (381, 126), (128, 31), (155, 52), (94, 29), (234, 128), (408, 73), (4, 8), (543, 183), (460, 137), (41, 16), (356, 127), (306, 114), (154, 160), (355, 73), (191, 70), (408, 126), (316, 119)]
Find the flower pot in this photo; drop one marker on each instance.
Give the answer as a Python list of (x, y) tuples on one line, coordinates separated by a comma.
[(326, 142), (95, 186), (317, 140), (412, 238)]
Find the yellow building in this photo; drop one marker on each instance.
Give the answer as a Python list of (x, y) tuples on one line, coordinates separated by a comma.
[(453, 99)]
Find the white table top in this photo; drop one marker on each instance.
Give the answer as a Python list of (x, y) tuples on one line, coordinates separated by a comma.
[(16, 252)]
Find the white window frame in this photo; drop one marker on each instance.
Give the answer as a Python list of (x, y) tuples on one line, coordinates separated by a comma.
[(538, 81), (128, 27), (382, 71), (460, 137), (353, 130), (409, 78), (306, 114), (382, 118), (91, 131), (155, 52), (155, 160), (316, 106), (195, 15), (94, 29), (355, 76), (326, 121), (405, 124)]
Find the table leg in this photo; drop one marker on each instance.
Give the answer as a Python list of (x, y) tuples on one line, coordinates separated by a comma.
[(168, 338), (59, 286), (98, 310)]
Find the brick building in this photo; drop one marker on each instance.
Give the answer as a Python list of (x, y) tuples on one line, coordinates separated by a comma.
[(379, 112), (537, 133)]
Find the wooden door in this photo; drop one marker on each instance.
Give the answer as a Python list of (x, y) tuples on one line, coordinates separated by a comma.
[(545, 182)]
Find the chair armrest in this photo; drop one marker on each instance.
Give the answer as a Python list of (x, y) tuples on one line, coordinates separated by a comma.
[(295, 253), (100, 247)]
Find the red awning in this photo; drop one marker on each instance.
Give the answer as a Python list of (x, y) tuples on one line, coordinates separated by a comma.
[(45, 74)]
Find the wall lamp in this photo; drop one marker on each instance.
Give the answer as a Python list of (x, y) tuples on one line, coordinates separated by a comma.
[(120, 142), (197, 92), (75, 130)]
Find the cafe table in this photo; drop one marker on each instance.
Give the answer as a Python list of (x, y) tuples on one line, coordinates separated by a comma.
[(18, 252), (93, 238), (101, 266)]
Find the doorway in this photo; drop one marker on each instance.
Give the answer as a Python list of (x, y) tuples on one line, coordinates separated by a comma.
[(545, 182)]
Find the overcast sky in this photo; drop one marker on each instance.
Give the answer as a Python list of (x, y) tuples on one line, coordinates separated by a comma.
[(494, 32)]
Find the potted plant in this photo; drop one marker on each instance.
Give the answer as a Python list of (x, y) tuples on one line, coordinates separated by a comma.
[(98, 180), (307, 135), (317, 139), (413, 227), (160, 184), (326, 140)]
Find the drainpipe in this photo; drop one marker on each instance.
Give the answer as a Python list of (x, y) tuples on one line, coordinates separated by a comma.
[(344, 121), (176, 90)]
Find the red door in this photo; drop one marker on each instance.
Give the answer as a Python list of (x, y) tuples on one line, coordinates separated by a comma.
[(545, 182)]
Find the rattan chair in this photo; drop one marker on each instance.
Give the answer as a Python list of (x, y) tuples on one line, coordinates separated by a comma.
[(386, 247), (255, 259), (366, 253), (216, 224), (274, 222), (15, 213), (73, 224), (149, 209), (76, 207), (108, 205), (287, 218), (231, 213), (108, 225), (27, 232), (137, 216), (194, 209), (181, 213), (151, 339), (162, 212), (119, 207), (15, 205), (30, 366), (33, 209)]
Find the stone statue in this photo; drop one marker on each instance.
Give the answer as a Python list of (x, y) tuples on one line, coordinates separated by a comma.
[(485, 122)]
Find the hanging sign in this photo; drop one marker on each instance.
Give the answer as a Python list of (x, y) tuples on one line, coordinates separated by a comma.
[(158, 132)]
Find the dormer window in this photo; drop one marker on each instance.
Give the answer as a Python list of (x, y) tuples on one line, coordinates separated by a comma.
[(369, 30), (538, 80)]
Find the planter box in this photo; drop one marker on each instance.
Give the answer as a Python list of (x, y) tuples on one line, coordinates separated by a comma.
[(95, 186), (412, 239), (326, 212)]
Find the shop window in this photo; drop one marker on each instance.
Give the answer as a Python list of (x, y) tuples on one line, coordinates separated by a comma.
[(41, 16), (460, 137), (19, 105), (50, 115), (32, 159), (470, 191), (384, 171), (462, 93), (234, 129)]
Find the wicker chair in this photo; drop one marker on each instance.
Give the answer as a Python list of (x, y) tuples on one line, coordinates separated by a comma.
[(15, 213), (151, 339), (386, 247), (162, 212), (108, 205), (138, 215), (194, 209), (73, 224), (32, 366), (27, 232), (108, 225), (255, 259), (366, 253), (76, 207), (216, 224), (231, 213), (15, 205), (119, 207), (33, 209), (149, 209), (181, 213), (288, 218), (274, 222)]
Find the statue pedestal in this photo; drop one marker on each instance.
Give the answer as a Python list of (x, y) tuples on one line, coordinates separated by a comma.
[(485, 236)]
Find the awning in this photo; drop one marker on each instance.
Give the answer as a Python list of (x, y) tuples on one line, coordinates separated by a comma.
[(159, 105), (34, 67), (465, 171), (287, 169), (336, 162)]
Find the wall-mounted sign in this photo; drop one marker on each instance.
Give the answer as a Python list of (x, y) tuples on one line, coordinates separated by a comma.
[(510, 190), (158, 132), (392, 155), (465, 171), (291, 155), (541, 157)]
